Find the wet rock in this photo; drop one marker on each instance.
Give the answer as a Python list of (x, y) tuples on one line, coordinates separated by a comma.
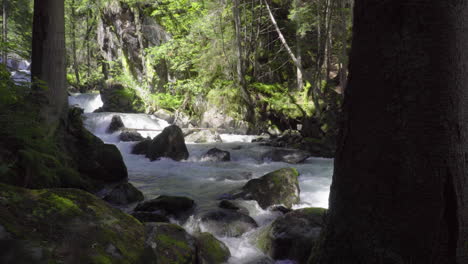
[(203, 136), (281, 209), (211, 250), (164, 114), (231, 223), (145, 217), (171, 243), (169, 206), (277, 187), (130, 136), (232, 205), (116, 124), (293, 235), (286, 155), (112, 167), (141, 148), (124, 193), (216, 154), (66, 225), (170, 143)]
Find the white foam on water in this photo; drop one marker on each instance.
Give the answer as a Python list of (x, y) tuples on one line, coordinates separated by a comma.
[(89, 102), (232, 138)]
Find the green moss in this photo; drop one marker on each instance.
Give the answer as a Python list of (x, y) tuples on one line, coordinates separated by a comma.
[(101, 259), (167, 241), (212, 250), (314, 210)]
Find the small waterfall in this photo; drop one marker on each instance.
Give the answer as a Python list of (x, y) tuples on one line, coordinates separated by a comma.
[(88, 101)]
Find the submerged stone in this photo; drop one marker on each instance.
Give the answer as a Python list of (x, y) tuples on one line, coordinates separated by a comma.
[(216, 154), (286, 155)]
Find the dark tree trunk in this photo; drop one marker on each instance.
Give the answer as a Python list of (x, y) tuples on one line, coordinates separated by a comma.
[(48, 58), (399, 192), (73, 39), (5, 31)]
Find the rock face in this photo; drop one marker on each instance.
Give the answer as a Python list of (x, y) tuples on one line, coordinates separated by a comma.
[(117, 98), (66, 226), (203, 136), (130, 136), (124, 193), (278, 187), (169, 206), (211, 250), (215, 117), (171, 244), (216, 154), (286, 155), (231, 223), (116, 124), (293, 235), (170, 143)]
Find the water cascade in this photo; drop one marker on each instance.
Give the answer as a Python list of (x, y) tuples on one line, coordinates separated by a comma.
[(205, 181)]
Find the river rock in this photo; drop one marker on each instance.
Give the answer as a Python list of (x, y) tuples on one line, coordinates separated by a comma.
[(171, 243), (170, 143), (124, 193), (169, 206), (130, 136), (286, 155), (146, 217), (116, 124), (262, 260), (211, 250), (66, 226), (141, 148), (293, 235), (165, 115), (277, 187), (203, 136), (222, 222), (112, 168), (216, 154), (232, 205)]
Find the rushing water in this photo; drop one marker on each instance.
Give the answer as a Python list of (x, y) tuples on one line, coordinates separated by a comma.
[(205, 181)]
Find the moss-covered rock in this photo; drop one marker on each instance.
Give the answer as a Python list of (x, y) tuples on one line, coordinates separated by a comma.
[(117, 98), (211, 250), (293, 235), (66, 226), (171, 243), (170, 143), (277, 187)]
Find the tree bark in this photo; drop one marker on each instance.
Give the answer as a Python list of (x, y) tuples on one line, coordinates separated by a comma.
[(48, 58), (400, 186), (73, 39), (5, 31), (250, 115)]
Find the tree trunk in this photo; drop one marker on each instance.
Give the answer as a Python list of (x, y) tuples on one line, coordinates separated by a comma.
[(5, 32), (73, 39), (250, 115), (48, 58), (400, 186)]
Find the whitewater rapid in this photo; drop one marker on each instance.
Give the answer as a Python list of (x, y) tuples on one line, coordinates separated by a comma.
[(205, 181)]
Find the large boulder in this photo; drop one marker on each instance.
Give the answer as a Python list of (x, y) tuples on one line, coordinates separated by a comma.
[(222, 222), (277, 187), (141, 148), (170, 143), (286, 155), (216, 154), (218, 118), (93, 159), (171, 244), (211, 250), (293, 235), (203, 136), (65, 226), (169, 206), (124, 193), (146, 217), (117, 98), (115, 125)]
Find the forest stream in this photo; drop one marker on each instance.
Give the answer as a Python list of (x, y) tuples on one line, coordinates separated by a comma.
[(206, 181)]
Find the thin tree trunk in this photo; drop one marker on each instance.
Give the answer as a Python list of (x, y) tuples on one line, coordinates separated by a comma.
[(5, 32), (73, 39), (400, 184), (48, 59), (250, 115), (344, 42), (88, 47)]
